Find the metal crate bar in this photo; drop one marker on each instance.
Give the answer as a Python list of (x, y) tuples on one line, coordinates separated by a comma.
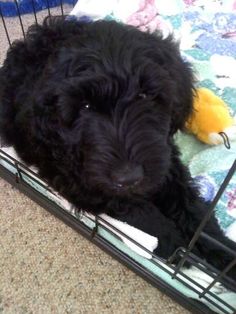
[(62, 10), (195, 261), (48, 7), (5, 27), (34, 11), (219, 244), (206, 268), (20, 19), (191, 259), (20, 170), (208, 214), (219, 276)]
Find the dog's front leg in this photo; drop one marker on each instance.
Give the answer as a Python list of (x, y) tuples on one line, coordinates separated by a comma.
[(211, 251), (146, 217)]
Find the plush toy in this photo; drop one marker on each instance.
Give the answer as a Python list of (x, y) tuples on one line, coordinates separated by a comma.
[(211, 121)]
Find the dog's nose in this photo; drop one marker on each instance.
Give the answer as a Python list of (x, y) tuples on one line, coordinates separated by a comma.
[(128, 176)]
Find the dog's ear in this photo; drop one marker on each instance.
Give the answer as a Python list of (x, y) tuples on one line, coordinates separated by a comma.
[(183, 100), (70, 102), (60, 102), (58, 90), (182, 106), (171, 85), (178, 91), (178, 80)]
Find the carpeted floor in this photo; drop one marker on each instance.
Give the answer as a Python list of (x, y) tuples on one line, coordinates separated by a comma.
[(46, 267)]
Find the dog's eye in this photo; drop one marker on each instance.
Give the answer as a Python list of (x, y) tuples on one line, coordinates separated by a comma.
[(142, 95), (86, 105)]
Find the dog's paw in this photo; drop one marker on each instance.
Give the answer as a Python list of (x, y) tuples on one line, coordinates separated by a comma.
[(169, 242)]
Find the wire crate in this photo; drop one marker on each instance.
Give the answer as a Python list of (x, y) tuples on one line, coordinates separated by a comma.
[(193, 295)]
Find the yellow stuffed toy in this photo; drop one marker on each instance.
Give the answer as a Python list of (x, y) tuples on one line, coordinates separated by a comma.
[(211, 121)]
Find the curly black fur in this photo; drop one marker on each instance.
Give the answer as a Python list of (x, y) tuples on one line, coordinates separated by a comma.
[(90, 104)]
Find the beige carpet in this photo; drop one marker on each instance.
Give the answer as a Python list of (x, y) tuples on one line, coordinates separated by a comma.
[(46, 267)]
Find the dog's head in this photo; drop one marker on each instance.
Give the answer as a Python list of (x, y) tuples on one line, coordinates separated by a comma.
[(108, 104)]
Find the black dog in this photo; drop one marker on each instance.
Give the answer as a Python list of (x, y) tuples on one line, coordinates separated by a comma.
[(95, 106)]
